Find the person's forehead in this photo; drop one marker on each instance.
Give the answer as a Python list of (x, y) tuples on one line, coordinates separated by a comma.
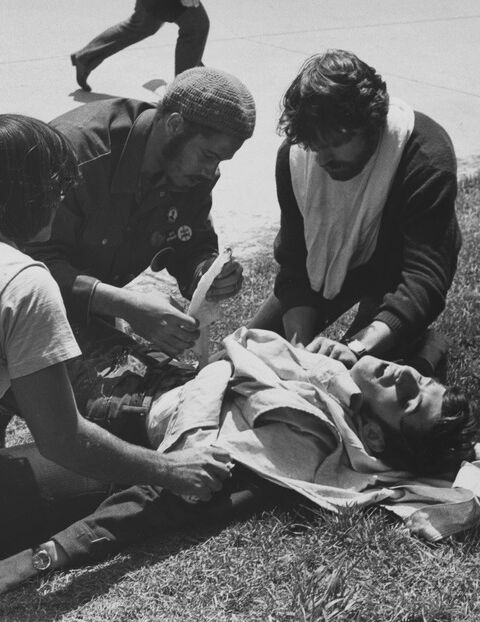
[(336, 138)]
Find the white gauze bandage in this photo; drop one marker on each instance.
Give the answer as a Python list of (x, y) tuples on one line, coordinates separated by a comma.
[(206, 311)]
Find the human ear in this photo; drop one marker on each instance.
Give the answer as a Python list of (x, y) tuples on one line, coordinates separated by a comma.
[(373, 437), (174, 124)]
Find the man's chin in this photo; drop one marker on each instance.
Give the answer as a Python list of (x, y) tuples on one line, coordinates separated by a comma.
[(365, 369), (341, 174)]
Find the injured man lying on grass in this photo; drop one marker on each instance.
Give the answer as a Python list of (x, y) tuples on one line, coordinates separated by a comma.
[(298, 425)]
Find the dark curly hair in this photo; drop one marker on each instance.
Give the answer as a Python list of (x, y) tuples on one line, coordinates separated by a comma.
[(37, 165), (334, 92), (442, 448)]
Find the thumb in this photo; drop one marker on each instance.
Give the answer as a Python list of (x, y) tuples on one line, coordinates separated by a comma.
[(220, 454)]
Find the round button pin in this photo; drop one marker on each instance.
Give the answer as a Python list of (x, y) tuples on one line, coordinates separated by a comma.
[(172, 214), (184, 233)]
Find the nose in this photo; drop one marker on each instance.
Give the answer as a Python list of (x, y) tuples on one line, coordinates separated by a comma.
[(324, 156), (407, 384)]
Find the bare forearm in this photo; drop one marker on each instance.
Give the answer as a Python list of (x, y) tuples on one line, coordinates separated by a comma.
[(299, 324), (110, 300), (95, 453)]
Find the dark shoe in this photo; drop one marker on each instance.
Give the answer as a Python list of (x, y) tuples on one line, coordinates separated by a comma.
[(82, 73)]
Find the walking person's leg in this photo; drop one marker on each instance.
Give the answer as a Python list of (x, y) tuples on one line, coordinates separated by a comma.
[(140, 25), (193, 27)]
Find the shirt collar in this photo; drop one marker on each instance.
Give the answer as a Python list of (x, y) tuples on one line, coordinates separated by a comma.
[(127, 173)]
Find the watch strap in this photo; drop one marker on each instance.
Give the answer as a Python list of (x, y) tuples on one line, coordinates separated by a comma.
[(357, 347)]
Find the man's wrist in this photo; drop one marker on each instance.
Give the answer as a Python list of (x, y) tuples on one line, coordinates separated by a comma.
[(356, 347), (47, 556), (20, 567), (109, 300), (377, 337)]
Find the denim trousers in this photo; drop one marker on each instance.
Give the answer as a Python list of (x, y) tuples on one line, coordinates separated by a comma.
[(146, 19), (114, 383)]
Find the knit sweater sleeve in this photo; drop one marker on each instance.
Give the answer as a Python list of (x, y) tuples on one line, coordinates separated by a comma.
[(429, 229), (292, 286)]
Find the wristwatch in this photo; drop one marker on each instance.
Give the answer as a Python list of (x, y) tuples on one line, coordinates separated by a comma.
[(41, 559), (357, 348)]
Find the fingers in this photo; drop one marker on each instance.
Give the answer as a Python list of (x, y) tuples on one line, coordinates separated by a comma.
[(327, 347), (174, 334), (183, 322), (220, 454), (333, 349), (210, 484), (178, 332), (167, 349), (199, 472), (315, 345), (220, 463), (214, 483), (173, 345), (217, 470)]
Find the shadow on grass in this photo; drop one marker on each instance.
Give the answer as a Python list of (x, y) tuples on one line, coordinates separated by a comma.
[(71, 590)]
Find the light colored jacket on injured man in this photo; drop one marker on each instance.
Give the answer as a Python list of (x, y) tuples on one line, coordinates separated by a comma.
[(288, 415)]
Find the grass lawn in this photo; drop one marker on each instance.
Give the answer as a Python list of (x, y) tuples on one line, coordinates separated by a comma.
[(297, 565)]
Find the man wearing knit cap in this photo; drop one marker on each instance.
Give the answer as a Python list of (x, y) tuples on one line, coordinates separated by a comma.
[(144, 199)]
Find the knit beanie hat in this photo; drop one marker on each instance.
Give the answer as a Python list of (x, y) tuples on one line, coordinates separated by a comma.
[(212, 98)]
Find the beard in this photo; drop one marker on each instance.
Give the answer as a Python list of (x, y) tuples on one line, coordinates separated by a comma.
[(173, 153), (174, 148)]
